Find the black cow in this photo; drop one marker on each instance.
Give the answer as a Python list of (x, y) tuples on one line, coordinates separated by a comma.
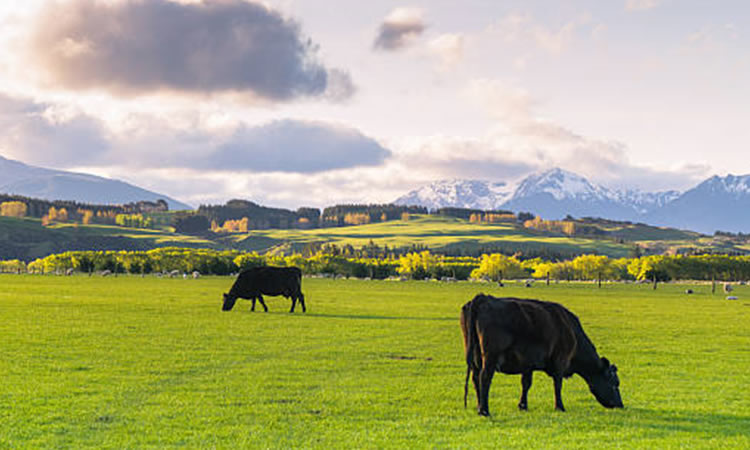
[(518, 336), (252, 283)]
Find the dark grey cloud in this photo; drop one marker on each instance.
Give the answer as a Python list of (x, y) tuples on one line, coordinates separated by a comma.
[(41, 134), (399, 29), (134, 47), (296, 146), (37, 133)]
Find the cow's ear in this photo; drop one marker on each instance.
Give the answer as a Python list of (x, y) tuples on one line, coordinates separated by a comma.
[(605, 362)]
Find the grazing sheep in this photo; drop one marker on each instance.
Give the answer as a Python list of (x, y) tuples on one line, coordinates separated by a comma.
[(688, 291), (196, 274), (173, 274), (728, 288), (106, 273), (69, 272)]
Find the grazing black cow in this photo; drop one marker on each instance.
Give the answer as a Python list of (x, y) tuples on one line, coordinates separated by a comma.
[(253, 283), (518, 336)]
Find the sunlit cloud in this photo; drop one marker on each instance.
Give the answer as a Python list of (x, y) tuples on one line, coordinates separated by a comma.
[(517, 29), (449, 48)]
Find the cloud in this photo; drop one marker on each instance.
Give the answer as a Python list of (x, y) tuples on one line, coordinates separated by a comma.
[(522, 142), (296, 146), (641, 5), (399, 29), (45, 134), (502, 101), (449, 48), (135, 47), (516, 28)]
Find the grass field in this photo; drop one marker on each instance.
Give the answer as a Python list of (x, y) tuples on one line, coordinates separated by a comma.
[(134, 362)]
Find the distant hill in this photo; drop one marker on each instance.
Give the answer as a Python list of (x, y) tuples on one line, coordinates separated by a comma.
[(27, 239), (717, 204), (36, 182)]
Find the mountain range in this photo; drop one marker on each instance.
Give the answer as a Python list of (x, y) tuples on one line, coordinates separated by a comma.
[(716, 204), (37, 182)]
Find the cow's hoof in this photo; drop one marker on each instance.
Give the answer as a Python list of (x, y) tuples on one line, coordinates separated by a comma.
[(484, 413), (523, 407)]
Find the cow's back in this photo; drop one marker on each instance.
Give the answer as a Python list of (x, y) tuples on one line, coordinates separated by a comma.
[(529, 333), (269, 281)]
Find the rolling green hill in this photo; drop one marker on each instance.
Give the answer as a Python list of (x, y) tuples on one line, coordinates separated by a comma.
[(436, 233), (27, 239)]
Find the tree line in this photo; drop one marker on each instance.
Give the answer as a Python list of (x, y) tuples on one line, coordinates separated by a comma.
[(413, 265), (70, 211)]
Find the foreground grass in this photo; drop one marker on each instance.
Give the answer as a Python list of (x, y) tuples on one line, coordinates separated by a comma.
[(144, 362)]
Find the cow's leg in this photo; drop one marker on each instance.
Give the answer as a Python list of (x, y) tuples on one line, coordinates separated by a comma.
[(302, 301), (252, 308), (558, 379), (262, 303), (525, 386), (485, 379), (475, 379), (294, 302)]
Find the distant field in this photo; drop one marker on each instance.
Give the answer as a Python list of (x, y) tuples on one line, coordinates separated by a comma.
[(27, 239), (435, 233), (133, 362)]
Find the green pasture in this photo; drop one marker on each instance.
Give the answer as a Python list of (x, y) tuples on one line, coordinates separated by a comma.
[(434, 232), (27, 239), (131, 362)]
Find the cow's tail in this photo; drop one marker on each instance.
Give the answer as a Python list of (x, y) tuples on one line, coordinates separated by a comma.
[(468, 317), (466, 384)]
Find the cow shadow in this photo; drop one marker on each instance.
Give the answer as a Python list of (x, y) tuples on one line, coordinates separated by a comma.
[(655, 423), (715, 424)]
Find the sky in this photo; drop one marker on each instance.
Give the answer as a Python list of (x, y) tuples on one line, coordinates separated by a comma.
[(295, 103)]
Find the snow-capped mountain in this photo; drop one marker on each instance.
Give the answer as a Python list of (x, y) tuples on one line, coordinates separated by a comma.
[(476, 194), (643, 202), (719, 203), (559, 193), (560, 184), (36, 182), (556, 193)]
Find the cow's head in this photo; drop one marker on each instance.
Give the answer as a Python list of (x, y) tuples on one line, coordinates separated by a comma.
[(605, 385), (229, 301)]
